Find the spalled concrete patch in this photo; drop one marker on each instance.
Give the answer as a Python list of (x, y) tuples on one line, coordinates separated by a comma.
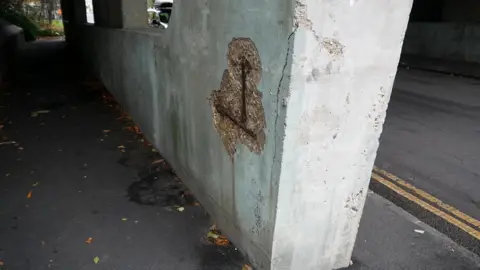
[(238, 113)]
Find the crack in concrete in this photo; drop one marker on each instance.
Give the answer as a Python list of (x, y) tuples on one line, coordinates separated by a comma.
[(278, 101)]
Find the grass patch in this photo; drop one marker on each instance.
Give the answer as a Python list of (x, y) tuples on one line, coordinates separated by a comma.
[(51, 30)]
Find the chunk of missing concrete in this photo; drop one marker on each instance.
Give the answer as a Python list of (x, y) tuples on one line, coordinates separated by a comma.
[(238, 113)]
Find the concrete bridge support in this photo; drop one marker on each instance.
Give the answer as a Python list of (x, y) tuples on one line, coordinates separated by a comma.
[(270, 111)]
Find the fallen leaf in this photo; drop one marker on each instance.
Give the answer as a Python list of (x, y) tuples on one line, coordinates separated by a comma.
[(124, 219), (181, 209), (216, 237), (213, 234), (106, 131), (419, 231), (10, 142), (89, 240), (158, 161), (222, 241), (121, 147), (35, 114), (196, 204), (36, 184), (96, 260), (29, 195), (246, 267), (2, 263)]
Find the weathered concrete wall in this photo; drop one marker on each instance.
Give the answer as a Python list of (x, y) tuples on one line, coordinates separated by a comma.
[(165, 80), (455, 35), (461, 11), (454, 41), (276, 131)]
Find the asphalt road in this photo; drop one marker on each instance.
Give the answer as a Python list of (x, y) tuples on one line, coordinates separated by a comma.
[(431, 139)]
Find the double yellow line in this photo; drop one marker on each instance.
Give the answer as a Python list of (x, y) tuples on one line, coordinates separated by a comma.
[(428, 202)]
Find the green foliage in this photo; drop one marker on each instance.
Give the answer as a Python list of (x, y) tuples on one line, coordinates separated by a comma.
[(164, 17), (30, 28)]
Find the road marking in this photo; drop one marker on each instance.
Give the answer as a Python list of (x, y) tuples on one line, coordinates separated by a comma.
[(428, 197), (426, 206)]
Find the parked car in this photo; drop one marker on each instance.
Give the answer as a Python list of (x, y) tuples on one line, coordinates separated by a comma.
[(160, 13)]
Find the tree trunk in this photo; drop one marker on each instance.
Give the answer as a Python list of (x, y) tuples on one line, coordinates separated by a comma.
[(51, 9)]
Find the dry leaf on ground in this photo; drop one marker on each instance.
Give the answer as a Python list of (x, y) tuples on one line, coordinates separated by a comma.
[(35, 114), (212, 235), (222, 241), (89, 240), (217, 238), (10, 142), (158, 161), (29, 195), (247, 267), (96, 260)]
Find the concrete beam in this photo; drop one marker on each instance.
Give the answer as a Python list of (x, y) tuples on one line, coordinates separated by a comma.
[(134, 14), (344, 57), (108, 13)]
